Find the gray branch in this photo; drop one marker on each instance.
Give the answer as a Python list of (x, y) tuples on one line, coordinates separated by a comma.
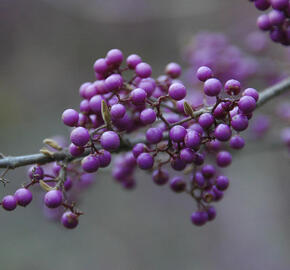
[(13, 162)]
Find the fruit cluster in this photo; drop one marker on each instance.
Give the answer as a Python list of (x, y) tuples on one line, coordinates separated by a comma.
[(277, 21), (184, 146)]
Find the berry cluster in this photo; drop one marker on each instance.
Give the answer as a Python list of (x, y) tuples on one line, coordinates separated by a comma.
[(184, 146), (277, 21)]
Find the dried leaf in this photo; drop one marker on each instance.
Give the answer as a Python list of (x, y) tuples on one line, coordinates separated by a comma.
[(45, 186), (46, 152), (106, 114), (188, 109), (53, 144)]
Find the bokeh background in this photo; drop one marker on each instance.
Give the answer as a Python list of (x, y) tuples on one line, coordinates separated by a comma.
[(47, 50)]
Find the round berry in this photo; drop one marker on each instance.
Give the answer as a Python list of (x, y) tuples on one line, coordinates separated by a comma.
[(192, 139), (9, 202), (118, 111), (223, 159), (114, 57), (263, 22), (173, 70), (177, 91), (70, 117), (154, 135), (212, 87), (177, 184), (247, 104), (53, 198), (222, 182), (199, 179), (80, 136), (90, 163), (35, 172), (204, 73), (187, 155), (199, 218), (69, 220), (223, 132), (133, 60), (143, 70), (138, 149), (138, 96), (208, 171), (279, 4), (110, 140), (233, 87), (101, 66), (206, 120), (76, 151), (114, 82), (252, 93), (237, 142), (178, 164), (145, 161), (239, 122), (177, 133), (23, 196), (148, 116), (211, 212), (160, 177), (104, 158)]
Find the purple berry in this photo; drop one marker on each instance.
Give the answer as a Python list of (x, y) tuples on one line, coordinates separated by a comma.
[(263, 22), (118, 111), (206, 120), (160, 177), (70, 117), (143, 70), (187, 155), (233, 87), (145, 161), (178, 164), (80, 136), (252, 93), (199, 218), (247, 104), (104, 158), (223, 159), (114, 57), (177, 133), (177, 91), (211, 212), (212, 87), (173, 70), (9, 202), (199, 179), (237, 142), (239, 122), (110, 140), (223, 132), (23, 196), (69, 220), (208, 171), (101, 66), (138, 96), (35, 172), (133, 60), (53, 198), (114, 82), (222, 182), (76, 151), (177, 184), (148, 116), (204, 73), (90, 164), (138, 149), (154, 135), (192, 139)]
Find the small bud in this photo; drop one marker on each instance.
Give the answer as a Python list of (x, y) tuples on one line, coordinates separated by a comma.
[(188, 109), (106, 113), (52, 143), (45, 186)]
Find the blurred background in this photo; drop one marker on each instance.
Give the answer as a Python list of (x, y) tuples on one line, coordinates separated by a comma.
[(47, 51)]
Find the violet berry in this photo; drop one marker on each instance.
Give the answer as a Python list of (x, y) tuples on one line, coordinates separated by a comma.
[(114, 57), (35, 172), (177, 91), (212, 87), (206, 120), (148, 116), (160, 177), (177, 184), (177, 133), (143, 70), (173, 70), (222, 182), (204, 73), (90, 163), (23, 196), (145, 161), (233, 87), (192, 139), (117, 111), (104, 158), (80, 136), (70, 117), (9, 202), (247, 104), (239, 122), (133, 60), (75, 151), (199, 218), (223, 132), (223, 159), (154, 135), (138, 96), (53, 198), (69, 220), (110, 140)]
